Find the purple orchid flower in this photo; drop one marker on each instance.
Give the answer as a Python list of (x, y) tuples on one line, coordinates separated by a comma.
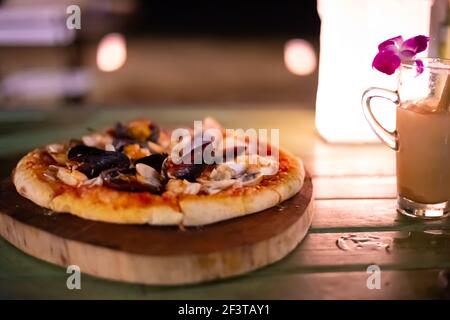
[(394, 51)]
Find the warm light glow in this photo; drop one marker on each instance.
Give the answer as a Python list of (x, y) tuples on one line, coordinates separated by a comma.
[(111, 52), (300, 57), (350, 33)]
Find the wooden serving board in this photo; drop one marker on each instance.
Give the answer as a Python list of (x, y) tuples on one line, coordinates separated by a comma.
[(156, 255)]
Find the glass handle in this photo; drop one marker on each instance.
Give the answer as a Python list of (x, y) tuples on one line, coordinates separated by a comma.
[(388, 137)]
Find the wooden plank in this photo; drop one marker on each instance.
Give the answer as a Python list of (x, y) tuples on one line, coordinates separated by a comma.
[(348, 215), (376, 187), (348, 285), (358, 160), (22, 277), (351, 285), (27, 121), (351, 215), (409, 250)]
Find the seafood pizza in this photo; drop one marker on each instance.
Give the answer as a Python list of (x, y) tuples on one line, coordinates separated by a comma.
[(138, 173)]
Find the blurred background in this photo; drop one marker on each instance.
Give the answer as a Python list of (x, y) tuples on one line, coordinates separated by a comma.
[(137, 52), (145, 52)]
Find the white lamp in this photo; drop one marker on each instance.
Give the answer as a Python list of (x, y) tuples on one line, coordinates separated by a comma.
[(350, 33)]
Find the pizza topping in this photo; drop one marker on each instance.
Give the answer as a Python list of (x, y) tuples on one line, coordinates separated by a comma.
[(267, 166), (245, 171), (230, 148), (97, 181), (57, 152), (222, 173), (250, 179), (238, 168), (192, 188), (114, 167), (55, 148), (227, 170), (213, 186), (134, 151), (182, 171), (155, 133), (50, 173), (142, 134), (154, 160), (84, 151), (70, 177), (155, 148), (121, 132), (92, 161), (147, 175), (186, 169), (110, 147), (98, 140), (119, 144), (127, 180), (138, 131), (183, 187)]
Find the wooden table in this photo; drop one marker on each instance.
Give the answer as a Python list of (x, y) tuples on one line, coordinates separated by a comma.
[(354, 191)]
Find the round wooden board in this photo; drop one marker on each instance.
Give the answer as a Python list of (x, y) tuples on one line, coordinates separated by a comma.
[(156, 255)]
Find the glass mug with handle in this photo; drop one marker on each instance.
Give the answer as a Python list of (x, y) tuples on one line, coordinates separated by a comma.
[(421, 138)]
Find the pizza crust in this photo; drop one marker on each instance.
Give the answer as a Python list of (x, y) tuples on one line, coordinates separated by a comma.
[(108, 205), (260, 199), (28, 185), (289, 183), (206, 209), (89, 207)]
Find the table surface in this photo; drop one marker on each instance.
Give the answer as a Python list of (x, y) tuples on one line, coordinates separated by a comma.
[(355, 195)]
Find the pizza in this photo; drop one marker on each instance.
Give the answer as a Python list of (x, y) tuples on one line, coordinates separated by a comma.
[(137, 173)]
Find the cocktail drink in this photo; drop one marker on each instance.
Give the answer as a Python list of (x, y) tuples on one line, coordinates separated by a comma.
[(423, 156), (421, 138)]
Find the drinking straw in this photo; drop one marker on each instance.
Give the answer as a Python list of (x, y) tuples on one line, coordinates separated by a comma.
[(444, 102)]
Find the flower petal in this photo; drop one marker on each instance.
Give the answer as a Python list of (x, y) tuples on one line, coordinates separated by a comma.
[(407, 55), (419, 66), (396, 41), (415, 44), (386, 61)]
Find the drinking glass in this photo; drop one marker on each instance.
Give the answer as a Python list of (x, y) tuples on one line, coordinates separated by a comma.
[(421, 138)]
